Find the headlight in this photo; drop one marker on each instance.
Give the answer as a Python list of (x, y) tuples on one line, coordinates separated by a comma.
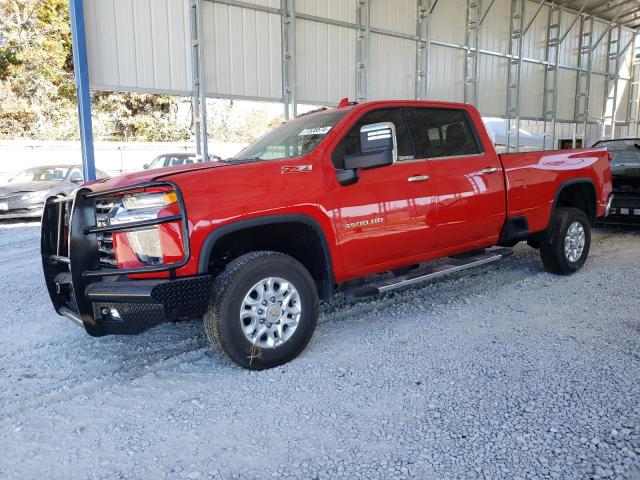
[(36, 196), (142, 206), (154, 245), (146, 245), (149, 200)]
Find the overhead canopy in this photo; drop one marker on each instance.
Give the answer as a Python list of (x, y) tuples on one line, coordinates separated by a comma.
[(571, 61), (319, 51), (624, 12)]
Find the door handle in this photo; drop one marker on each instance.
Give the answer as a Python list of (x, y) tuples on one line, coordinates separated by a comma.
[(418, 178), (489, 170)]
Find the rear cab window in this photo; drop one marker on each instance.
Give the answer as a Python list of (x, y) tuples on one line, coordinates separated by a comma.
[(441, 132)]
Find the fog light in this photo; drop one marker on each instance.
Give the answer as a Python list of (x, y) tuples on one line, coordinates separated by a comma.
[(146, 245)]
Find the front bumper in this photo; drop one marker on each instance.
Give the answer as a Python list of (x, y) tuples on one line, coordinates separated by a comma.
[(21, 209), (27, 213), (107, 301), (133, 306)]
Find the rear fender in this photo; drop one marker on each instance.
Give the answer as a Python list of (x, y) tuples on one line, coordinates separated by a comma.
[(563, 187)]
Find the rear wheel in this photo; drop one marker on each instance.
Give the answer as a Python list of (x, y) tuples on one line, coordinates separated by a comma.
[(263, 310), (568, 245)]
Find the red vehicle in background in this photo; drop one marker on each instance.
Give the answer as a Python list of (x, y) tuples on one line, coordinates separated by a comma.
[(323, 203)]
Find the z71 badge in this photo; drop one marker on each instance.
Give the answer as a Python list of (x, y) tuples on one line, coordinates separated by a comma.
[(296, 169)]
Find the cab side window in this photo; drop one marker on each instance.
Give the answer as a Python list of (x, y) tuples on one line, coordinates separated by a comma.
[(350, 143), (438, 132)]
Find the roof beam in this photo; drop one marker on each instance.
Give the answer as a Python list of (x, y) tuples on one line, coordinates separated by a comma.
[(606, 30), (585, 4), (633, 12), (486, 12), (540, 5), (605, 7)]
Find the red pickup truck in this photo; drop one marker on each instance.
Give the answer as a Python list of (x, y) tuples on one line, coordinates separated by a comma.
[(356, 199)]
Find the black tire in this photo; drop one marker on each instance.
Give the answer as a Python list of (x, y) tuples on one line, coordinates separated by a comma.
[(552, 249), (222, 320)]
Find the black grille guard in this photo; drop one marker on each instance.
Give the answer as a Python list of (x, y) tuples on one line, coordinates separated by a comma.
[(69, 248)]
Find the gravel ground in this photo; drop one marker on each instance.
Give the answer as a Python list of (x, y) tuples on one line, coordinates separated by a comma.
[(507, 372)]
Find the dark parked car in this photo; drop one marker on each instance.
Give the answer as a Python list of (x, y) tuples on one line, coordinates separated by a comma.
[(625, 171), (24, 195)]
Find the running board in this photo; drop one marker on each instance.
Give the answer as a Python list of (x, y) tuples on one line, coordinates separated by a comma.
[(429, 272)]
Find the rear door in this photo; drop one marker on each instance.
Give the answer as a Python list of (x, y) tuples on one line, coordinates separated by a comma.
[(468, 181), (387, 215)]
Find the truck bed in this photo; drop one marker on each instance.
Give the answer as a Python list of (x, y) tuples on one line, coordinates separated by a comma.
[(532, 176)]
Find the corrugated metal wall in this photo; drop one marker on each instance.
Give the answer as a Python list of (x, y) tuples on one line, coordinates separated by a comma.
[(139, 45), (325, 53), (144, 45), (242, 51)]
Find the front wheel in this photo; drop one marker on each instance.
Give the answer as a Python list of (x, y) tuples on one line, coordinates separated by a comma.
[(567, 247), (263, 310)]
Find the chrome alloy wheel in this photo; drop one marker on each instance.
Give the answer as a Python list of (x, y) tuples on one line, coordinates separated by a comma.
[(270, 312), (574, 242)]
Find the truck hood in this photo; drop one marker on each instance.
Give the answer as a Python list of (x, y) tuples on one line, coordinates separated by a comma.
[(150, 175)]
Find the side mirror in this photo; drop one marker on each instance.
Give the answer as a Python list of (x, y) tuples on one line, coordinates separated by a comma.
[(378, 147), (77, 180), (145, 166)]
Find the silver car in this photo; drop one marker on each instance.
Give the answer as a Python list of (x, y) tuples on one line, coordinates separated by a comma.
[(24, 195)]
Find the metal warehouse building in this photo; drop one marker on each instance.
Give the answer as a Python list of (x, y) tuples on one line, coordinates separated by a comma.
[(565, 70)]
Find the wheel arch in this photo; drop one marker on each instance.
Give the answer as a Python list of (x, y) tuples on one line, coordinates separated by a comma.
[(319, 265), (579, 193)]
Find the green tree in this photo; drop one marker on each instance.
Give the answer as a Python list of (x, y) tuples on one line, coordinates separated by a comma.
[(37, 84), (36, 90), (38, 97)]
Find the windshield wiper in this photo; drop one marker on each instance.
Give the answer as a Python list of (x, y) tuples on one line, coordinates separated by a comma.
[(242, 160)]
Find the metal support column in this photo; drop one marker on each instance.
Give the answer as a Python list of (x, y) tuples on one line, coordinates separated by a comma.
[(81, 71), (633, 109), (288, 22), (610, 107), (550, 96), (363, 47), (514, 74), (423, 47), (583, 78), (472, 64), (199, 97)]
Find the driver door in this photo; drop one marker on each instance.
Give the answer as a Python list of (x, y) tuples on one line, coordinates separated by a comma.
[(387, 216)]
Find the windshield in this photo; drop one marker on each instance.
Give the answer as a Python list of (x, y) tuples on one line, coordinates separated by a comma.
[(294, 138), (170, 161), (622, 151), (47, 174), (157, 162)]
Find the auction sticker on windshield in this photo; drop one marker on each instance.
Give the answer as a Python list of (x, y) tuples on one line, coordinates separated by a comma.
[(314, 131)]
